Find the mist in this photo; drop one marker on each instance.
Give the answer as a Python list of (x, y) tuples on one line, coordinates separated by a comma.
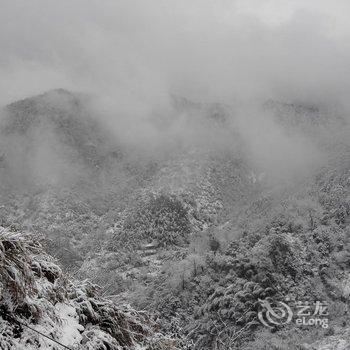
[(140, 52), (130, 57)]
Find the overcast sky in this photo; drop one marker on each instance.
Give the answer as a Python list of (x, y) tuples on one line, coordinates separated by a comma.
[(142, 50)]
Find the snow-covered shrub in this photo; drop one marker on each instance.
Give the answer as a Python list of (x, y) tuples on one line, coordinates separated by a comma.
[(162, 218), (34, 292)]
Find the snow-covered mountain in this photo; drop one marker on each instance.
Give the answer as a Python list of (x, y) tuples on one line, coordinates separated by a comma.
[(194, 229)]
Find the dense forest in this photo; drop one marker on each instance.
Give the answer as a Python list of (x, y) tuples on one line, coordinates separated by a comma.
[(172, 241)]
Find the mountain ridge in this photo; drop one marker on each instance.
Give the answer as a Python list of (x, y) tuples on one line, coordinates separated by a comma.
[(225, 232)]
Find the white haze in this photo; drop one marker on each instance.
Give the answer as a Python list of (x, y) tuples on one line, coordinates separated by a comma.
[(133, 54), (142, 50)]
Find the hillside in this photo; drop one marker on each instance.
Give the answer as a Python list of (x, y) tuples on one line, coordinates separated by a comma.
[(40, 307), (194, 233)]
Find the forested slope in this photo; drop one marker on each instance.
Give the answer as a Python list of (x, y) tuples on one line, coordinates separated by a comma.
[(195, 231)]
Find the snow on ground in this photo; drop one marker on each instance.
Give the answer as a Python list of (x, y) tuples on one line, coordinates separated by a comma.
[(66, 331)]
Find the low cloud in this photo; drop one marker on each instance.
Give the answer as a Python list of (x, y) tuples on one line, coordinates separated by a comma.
[(141, 51), (132, 55)]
